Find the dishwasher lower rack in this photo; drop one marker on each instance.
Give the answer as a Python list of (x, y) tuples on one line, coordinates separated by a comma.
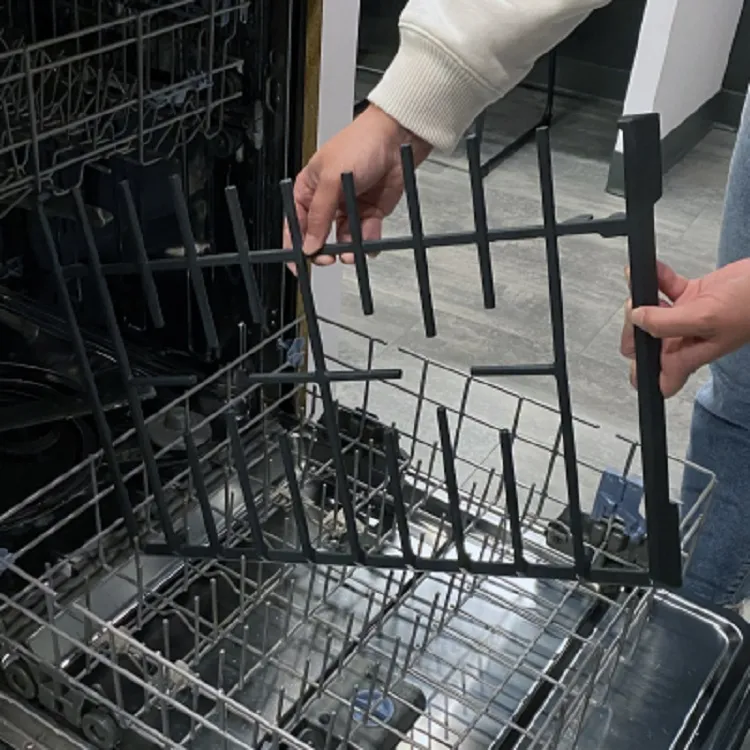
[(126, 649)]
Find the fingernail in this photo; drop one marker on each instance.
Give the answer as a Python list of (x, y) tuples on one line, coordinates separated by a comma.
[(637, 316)]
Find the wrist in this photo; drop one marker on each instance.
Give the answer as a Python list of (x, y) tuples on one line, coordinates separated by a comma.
[(397, 134)]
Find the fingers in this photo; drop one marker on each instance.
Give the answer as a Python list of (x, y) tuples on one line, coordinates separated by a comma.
[(688, 320), (320, 216), (672, 378), (627, 338), (671, 284), (372, 229)]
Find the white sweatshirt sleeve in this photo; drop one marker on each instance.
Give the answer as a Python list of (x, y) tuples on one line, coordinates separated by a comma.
[(458, 56)]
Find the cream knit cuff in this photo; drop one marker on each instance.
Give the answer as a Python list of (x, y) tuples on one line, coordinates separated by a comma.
[(430, 92)]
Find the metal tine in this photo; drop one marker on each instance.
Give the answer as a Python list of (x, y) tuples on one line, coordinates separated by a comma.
[(303, 686), (136, 410), (196, 626), (200, 490), (399, 507), (243, 587), (243, 655), (419, 407), (214, 607), (163, 705), (451, 488), (102, 426), (328, 745), (355, 229), (557, 315), (298, 508), (479, 205), (350, 719), (554, 454), (430, 620), (254, 301), (511, 500), (166, 638), (221, 669), (147, 277), (191, 255), (371, 694), (412, 644), (248, 496), (417, 231), (322, 376), (391, 668), (116, 676)]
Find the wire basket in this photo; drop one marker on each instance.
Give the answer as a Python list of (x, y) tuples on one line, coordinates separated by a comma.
[(230, 651), (90, 79)]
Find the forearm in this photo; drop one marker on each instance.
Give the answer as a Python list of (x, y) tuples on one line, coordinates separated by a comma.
[(458, 56)]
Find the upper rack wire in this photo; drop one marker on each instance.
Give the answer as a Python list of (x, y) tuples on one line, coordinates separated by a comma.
[(90, 79)]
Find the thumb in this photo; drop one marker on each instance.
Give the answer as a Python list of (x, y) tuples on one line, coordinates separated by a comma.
[(670, 322), (321, 214)]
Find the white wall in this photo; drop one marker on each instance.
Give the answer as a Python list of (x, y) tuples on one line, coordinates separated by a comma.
[(681, 58), (335, 105)]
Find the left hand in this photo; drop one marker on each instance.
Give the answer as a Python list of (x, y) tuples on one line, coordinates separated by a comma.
[(700, 321)]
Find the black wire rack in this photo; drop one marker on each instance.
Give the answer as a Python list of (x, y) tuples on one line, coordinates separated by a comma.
[(643, 189)]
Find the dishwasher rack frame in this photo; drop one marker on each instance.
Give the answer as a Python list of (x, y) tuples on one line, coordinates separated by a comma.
[(643, 189)]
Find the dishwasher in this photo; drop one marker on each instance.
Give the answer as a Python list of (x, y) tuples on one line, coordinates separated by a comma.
[(216, 534)]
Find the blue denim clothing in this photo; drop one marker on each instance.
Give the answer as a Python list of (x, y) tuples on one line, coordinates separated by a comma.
[(719, 571)]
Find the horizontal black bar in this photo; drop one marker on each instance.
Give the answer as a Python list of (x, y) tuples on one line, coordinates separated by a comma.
[(340, 376), (491, 371), (609, 575), (614, 226)]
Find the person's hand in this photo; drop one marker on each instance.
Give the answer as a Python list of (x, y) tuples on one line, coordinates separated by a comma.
[(700, 321), (370, 149)]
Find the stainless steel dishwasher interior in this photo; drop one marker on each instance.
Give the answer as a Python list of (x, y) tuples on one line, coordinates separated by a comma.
[(238, 653)]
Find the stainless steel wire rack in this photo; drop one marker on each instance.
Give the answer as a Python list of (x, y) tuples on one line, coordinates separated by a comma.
[(89, 79), (228, 651)]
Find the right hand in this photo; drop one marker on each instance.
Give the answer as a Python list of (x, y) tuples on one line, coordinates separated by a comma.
[(369, 148)]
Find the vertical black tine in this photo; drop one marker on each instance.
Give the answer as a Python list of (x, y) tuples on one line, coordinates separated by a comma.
[(451, 488), (255, 303), (355, 228), (321, 372), (298, 508), (479, 204), (511, 500), (147, 277), (105, 434), (417, 231), (399, 507), (240, 466), (191, 256), (643, 187), (200, 490), (123, 364), (554, 280)]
